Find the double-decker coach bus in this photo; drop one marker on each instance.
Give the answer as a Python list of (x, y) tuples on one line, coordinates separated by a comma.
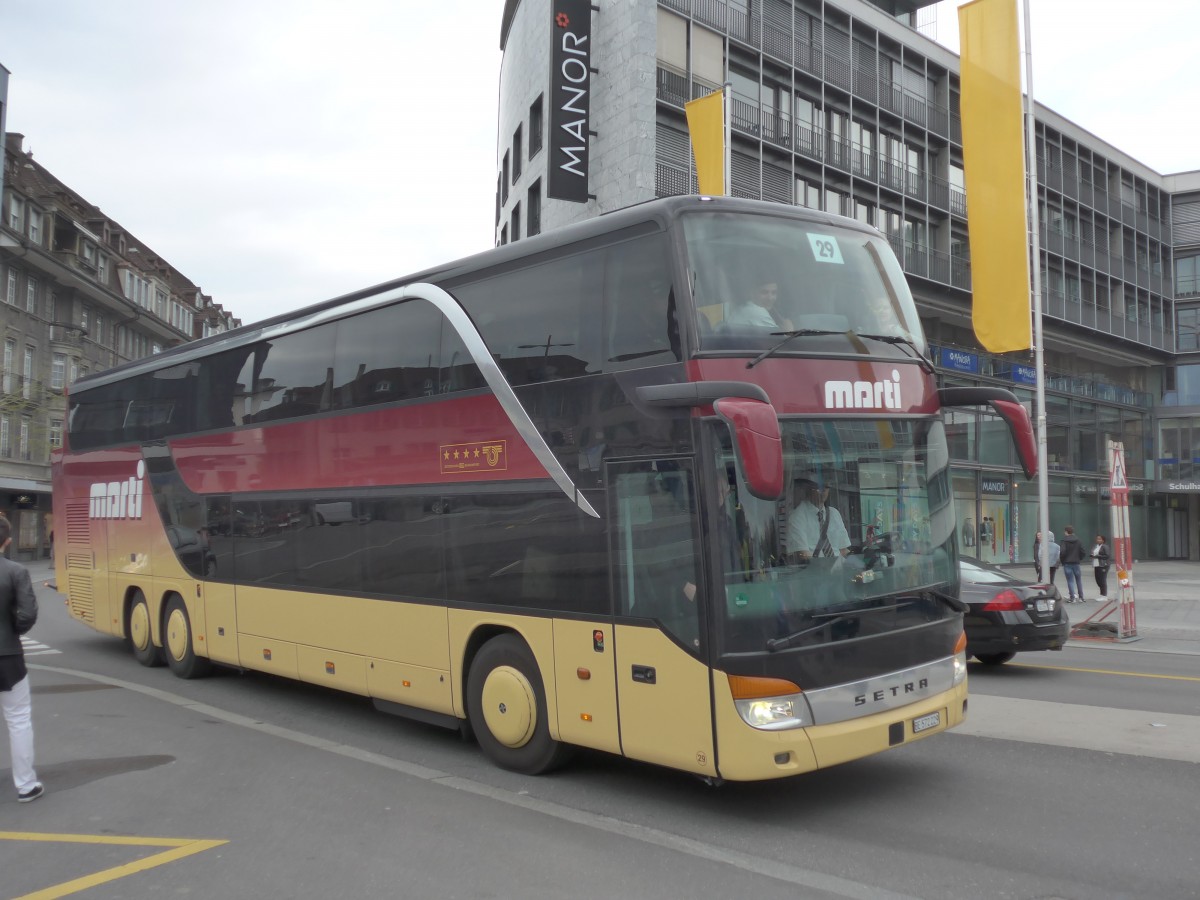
[(557, 494)]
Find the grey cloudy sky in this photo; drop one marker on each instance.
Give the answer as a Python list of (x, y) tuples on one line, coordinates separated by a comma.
[(280, 152)]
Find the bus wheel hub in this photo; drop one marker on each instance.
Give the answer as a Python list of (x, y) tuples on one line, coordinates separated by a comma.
[(509, 706)]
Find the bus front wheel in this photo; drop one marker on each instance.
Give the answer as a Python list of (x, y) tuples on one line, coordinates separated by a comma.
[(140, 639), (506, 705), (177, 639)]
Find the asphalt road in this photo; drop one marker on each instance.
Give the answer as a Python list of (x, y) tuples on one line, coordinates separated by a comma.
[(1075, 776)]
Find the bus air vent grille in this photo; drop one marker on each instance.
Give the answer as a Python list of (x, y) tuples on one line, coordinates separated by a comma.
[(78, 531), (82, 602), (79, 561)]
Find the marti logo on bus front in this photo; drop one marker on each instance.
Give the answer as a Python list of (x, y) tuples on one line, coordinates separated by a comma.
[(863, 394), (119, 499)]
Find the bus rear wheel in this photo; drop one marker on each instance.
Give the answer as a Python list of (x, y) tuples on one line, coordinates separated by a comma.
[(506, 705), (137, 627), (177, 639)]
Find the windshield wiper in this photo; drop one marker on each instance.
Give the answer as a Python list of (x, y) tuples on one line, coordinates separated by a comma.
[(788, 335), (902, 341), (784, 642)]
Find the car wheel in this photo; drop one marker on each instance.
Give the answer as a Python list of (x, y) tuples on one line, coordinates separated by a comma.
[(177, 638), (140, 639), (506, 705), (994, 659)]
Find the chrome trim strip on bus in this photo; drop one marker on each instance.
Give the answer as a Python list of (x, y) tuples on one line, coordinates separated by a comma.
[(503, 391), (844, 702)]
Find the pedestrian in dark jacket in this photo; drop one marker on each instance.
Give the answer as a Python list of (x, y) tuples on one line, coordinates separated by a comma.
[(1100, 563), (1071, 554), (18, 613)]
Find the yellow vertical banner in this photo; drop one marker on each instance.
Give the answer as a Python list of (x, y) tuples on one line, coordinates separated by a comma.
[(706, 123), (994, 174)]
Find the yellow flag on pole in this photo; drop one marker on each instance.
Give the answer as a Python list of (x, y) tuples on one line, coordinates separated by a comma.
[(994, 174), (706, 123)]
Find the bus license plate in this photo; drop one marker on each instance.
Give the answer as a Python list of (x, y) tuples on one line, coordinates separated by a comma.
[(924, 723)]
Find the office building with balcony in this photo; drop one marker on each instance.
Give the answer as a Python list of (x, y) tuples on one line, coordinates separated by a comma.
[(844, 106), (79, 293)]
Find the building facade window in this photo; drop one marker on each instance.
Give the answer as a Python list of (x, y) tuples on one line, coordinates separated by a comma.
[(58, 371), (535, 127), (16, 212), (516, 154), (23, 440), (5, 438), (10, 361), (35, 226), (31, 294), (27, 375), (10, 295), (1187, 276), (56, 433), (516, 222), (533, 209)]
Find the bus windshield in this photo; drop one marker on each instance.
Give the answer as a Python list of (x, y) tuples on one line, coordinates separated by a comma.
[(866, 525), (753, 277)]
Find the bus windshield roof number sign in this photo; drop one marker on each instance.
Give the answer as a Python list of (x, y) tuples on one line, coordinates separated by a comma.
[(570, 100), (825, 249)]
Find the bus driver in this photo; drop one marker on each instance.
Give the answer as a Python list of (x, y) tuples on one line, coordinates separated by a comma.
[(815, 529)]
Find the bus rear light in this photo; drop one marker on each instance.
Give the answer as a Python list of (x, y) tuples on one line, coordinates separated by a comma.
[(770, 704)]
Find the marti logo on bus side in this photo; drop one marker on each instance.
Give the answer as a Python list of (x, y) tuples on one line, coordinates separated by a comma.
[(118, 499)]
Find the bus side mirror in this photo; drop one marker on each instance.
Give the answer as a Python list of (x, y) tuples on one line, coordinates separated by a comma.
[(755, 427), (1007, 407)]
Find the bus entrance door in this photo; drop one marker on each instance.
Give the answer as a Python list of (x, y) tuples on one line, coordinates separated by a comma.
[(662, 686)]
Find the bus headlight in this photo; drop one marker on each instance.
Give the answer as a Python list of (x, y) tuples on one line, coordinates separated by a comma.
[(960, 659), (770, 704)]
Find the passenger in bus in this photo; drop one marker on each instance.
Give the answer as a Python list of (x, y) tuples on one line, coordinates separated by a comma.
[(815, 529), (760, 310)]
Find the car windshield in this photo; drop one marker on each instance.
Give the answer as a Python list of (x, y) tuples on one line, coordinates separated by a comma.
[(757, 276), (866, 524)]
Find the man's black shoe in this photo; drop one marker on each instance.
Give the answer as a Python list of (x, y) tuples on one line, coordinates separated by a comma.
[(32, 794)]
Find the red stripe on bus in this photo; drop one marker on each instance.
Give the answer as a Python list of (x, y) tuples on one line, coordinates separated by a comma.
[(465, 439)]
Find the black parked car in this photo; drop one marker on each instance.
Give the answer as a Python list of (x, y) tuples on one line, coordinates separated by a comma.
[(1008, 615)]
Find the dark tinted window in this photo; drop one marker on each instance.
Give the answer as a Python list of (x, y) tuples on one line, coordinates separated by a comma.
[(540, 322), (288, 376), (640, 328), (387, 354), (529, 550)]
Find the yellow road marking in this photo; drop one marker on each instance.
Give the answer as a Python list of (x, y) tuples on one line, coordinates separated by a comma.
[(1106, 672), (179, 848)]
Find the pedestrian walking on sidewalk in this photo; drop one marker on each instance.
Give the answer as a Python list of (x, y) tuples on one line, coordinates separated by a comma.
[(1071, 555), (18, 613), (1048, 559), (1100, 563)]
